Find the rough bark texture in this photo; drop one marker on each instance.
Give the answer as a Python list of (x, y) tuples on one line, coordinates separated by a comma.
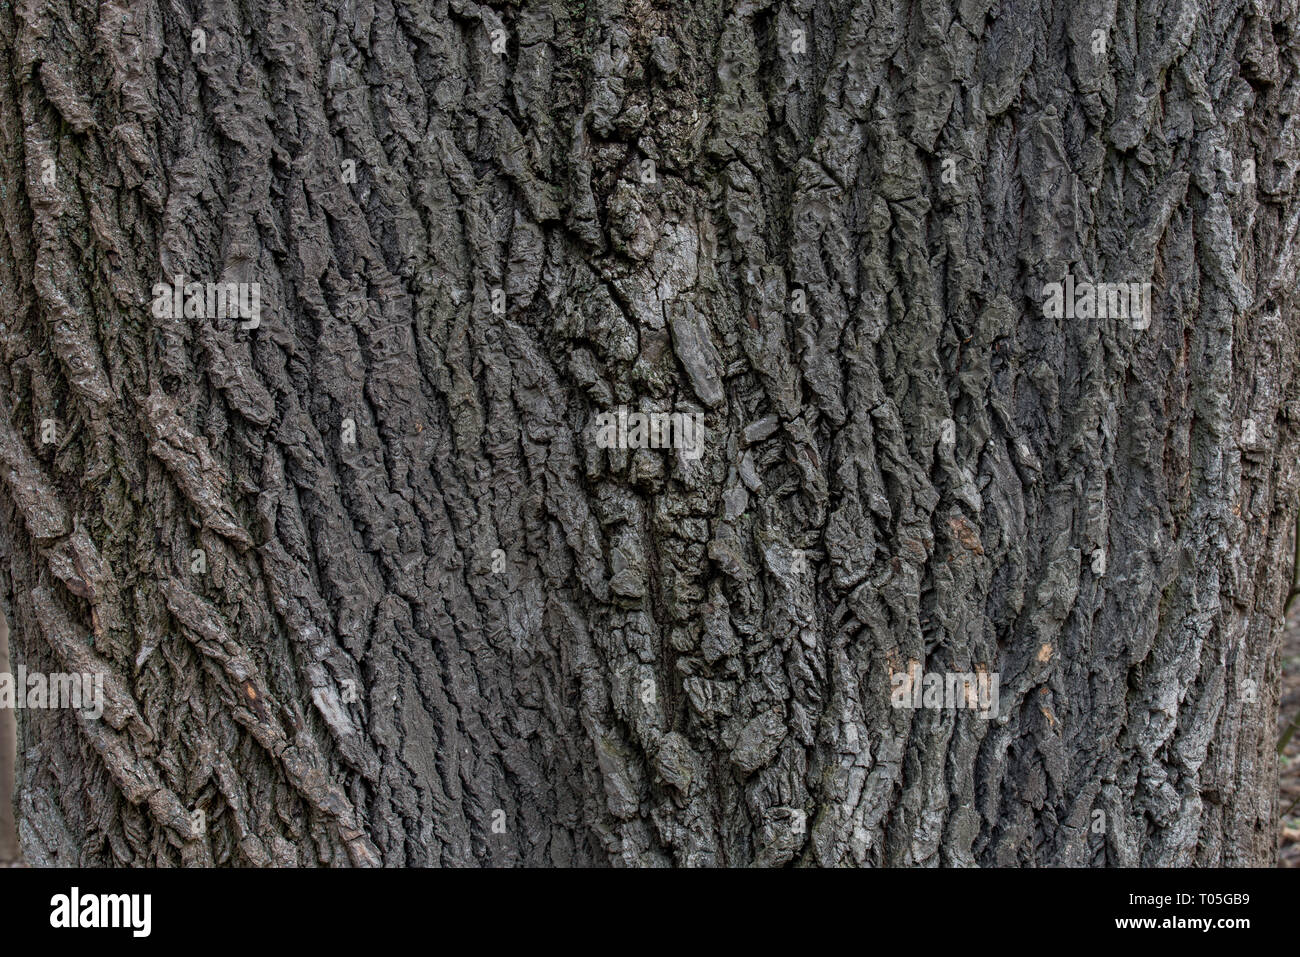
[(8, 763), (679, 662)]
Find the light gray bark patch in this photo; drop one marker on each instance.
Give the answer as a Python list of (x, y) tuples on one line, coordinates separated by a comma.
[(694, 346), (758, 742)]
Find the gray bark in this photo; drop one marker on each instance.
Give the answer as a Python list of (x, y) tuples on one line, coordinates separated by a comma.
[(680, 662), (8, 762)]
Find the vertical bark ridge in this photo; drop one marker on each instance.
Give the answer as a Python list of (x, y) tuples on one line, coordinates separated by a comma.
[(838, 261)]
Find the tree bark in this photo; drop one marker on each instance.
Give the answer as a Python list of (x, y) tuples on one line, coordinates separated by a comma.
[(8, 761), (366, 590)]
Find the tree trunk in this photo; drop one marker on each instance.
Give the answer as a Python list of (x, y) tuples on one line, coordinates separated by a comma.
[(363, 582), (8, 760)]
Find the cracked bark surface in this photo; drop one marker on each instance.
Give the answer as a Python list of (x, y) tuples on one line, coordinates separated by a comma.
[(688, 208)]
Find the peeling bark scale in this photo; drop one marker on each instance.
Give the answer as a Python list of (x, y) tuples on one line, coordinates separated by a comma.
[(947, 355)]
